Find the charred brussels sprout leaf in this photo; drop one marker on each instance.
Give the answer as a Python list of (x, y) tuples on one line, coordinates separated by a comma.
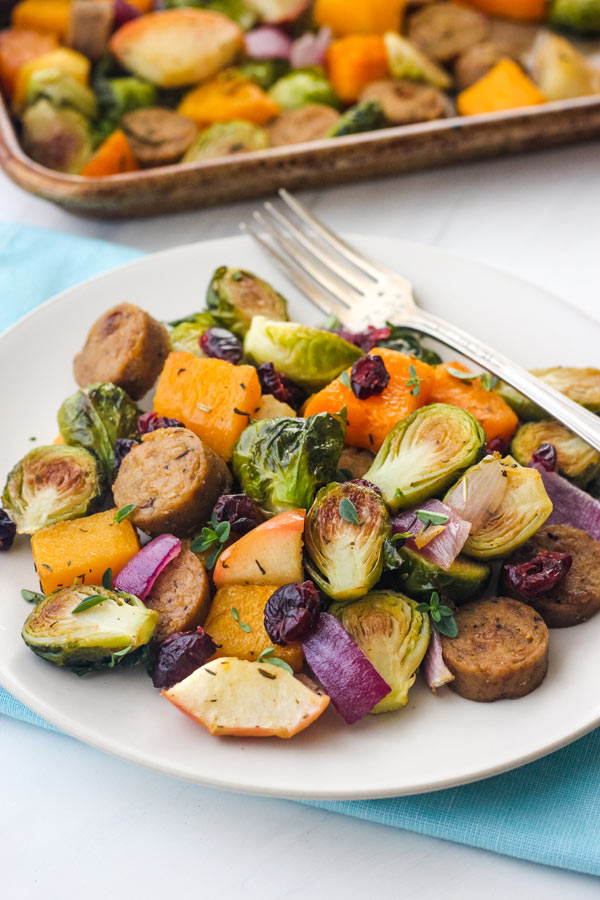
[(51, 484), (227, 139), (236, 296), (101, 635), (60, 90), (95, 417), (186, 333), (281, 463), (393, 635), (576, 460), (346, 548), (365, 116), (308, 356), (425, 453), (418, 577), (304, 86)]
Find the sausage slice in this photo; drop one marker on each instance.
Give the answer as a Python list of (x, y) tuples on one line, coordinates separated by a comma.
[(501, 650), (158, 136), (180, 595), (443, 30), (126, 346), (473, 63), (174, 480), (405, 102), (307, 123), (356, 461)]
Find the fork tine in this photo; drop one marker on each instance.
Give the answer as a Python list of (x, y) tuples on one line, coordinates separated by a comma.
[(308, 288), (304, 262)]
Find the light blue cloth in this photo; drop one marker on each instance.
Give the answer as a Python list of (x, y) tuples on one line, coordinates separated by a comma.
[(547, 811)]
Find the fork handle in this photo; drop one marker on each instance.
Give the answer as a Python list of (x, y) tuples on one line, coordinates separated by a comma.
[(579, 420)]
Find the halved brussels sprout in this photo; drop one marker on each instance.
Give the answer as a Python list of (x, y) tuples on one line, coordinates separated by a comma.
[(576, 460), (186, 333), (118, 96), (304, 86), (394, 637), (560, 71), (425, 453), (226, 139), (526, 409), (418, 577), (578, 15), (406, 61), (281, 463), (582, 385), (60, 89), (95, 417), (344, 534), (264, 72), (109, 627), (308, 356), (237, 297), (367, 115), (57, 138), (524, 508), (51, 484)]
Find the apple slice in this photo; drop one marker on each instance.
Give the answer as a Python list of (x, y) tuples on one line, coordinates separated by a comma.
[(274, 11), (247, 699), (269, 554)]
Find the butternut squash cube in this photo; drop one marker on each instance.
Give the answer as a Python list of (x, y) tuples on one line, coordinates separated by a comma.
[(505, 86)]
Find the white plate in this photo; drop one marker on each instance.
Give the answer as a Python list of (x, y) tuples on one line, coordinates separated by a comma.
[(436, 742)]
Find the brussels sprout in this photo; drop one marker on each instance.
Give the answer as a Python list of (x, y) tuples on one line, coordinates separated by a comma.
[(406, 61), (576, 460), (524, 508), (365, 116), (226, 139), (51, 484), (95, 417), (560, 71), (418, 577), (393, 635), (344, 534), (304, 86), (308, 356), (281, 463), (235, 10), (107, 628), (578, 15), (236, 296), (265, 72), (185, 334), (425, 453), (526, 409), (582, 385), (60, 90), (117, 96), (57, 138)]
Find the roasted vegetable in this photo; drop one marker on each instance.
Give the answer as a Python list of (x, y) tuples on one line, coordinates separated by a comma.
[(264, 72), (425, 453), (372, 17), (235, 10), (42, 16), (406, 61), (576, 460), (226, 139), (228, 97), (365, 116), (51, 484), (418, 577), (560, 71), (112, 157), (528, 10), (96, 417), (580, 385), (393, 635), (60, 90), (281, 463), (303, 86), (345, 531), (271, 553), (404, 341), (309, 356), (57, 138), (355, 61), (67, 61), (118, 96), (185, 334), (506, 86), (19, 46), (85, 627), (578, 15), (235, 296)]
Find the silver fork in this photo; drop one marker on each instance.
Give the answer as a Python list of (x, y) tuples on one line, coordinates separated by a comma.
[(342, 282)]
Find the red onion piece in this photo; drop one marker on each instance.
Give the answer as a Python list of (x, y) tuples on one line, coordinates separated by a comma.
[(570, 505), (353, 683), (140, 573), (124, 12), (435, 670), (479, 492), (267, 43), (310, 49), (443, 549)]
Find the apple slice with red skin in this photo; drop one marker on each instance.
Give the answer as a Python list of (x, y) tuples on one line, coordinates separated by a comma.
[(231, 696), (269, 554), (273, 11)]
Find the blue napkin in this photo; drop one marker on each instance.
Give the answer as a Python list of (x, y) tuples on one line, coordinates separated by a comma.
[(547, 811)]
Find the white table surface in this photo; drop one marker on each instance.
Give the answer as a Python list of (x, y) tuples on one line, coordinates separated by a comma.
[(72, 819)]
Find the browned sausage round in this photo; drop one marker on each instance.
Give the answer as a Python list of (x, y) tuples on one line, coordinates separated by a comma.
[(577, 597), (180, 595), (126, 346), (443, 30), (473, 63), (501, 650), (356, 461), (173, 479), (404, 102), (308, 123), (158, 136)]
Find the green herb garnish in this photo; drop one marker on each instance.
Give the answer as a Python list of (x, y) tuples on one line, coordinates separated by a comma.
[(348, 512), (414, 382), (212, 537), (462, 376), (488, 381), (31, 596), (88, 602), (345, 379), (431, 518), (331, 323), (107, 579), (442, 616), (124, 512), (267, 656), (236, 618)]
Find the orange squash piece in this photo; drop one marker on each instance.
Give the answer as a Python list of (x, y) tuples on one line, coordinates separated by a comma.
[(522, 10), (226, 98), (496, 417), (144, 6), (355, 61), (370, 420), (17, 47), (43, 15), (112, 157), (355, 16), (82, 548), (213, 398), (505, 86)]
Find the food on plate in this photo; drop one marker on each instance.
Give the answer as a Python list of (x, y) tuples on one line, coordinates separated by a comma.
[(235, 296), (576, 460), (179, 655), (185, 333), (271, 553), (462, 580), (158, 137), (453, 383), (180, 595), (500, 652), (354, 462)]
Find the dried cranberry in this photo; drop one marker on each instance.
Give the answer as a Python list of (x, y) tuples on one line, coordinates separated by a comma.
[(279, 385), (546, 457), (221, 344), (122, 448), (179, 655), (8, 529), (497, 445), (239, 510), (366, 339), (150, 421), (365, 483), (537, 575), (292, 611), (369, 377)]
